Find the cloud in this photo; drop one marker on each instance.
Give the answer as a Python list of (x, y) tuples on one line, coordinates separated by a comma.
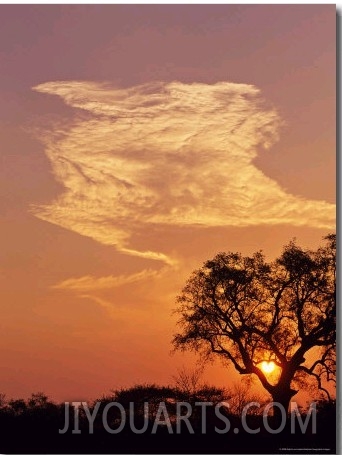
[(166, 154), (90, 283)]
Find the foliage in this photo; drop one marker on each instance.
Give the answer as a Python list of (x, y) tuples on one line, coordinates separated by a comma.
[(246, 310)]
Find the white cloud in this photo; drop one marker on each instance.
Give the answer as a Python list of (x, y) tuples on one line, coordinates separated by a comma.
[(166, 154)]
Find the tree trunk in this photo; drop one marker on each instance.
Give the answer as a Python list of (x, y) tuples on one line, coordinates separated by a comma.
[(283, 403), (281, 395)]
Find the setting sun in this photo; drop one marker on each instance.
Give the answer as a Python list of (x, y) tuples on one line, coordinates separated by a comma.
[(267, 367)]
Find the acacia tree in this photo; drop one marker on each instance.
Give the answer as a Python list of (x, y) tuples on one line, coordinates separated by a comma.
[(246, 311)]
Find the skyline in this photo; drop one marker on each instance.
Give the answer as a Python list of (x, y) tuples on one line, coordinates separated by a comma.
[(134, 153)]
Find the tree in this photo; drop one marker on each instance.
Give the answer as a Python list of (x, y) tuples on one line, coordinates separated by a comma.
[(38, 400), (191, 388), (18, 406), (240, 396), (188, 381), (246, 311), (141, 393)]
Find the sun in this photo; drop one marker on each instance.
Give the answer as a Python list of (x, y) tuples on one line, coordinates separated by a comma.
[(267, 367)]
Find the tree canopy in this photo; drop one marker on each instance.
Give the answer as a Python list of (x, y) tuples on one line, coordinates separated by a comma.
[(247, 310)]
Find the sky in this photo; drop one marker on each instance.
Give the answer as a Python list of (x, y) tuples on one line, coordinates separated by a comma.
[(137, 141)]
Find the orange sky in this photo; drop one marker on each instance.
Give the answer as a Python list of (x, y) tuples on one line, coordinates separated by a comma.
[(137, 142)]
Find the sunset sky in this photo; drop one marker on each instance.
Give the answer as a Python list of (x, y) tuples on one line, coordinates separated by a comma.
[(137, 142)]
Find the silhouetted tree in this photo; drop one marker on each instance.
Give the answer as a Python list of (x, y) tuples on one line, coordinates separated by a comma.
[(240, 395), (191, 388), (18, 406), (188, 381), (246, 311), (38, 399), (146, 393)]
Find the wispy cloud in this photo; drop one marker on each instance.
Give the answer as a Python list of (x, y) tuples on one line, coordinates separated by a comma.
[(90, 283), (166, 154)]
